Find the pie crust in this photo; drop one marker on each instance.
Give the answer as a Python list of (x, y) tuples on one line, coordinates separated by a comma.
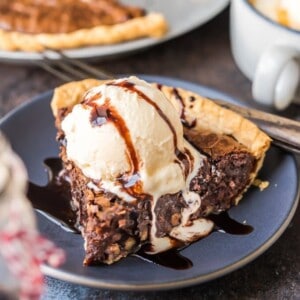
[(151, 25), (209, 115), (201, 118)]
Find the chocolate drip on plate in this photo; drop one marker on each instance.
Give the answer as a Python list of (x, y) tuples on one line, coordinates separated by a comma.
[(54, 199), (170, 259), (223, 223)]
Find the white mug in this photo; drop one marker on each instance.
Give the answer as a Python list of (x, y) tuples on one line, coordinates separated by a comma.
[(267, 53)]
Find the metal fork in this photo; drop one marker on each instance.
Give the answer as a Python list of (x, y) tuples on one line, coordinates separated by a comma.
[(285, 133), (69, 69)]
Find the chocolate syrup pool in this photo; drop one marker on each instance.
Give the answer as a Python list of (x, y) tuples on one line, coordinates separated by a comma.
[(54, 200)]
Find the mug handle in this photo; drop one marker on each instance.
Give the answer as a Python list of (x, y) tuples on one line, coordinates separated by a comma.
[(277, 76)]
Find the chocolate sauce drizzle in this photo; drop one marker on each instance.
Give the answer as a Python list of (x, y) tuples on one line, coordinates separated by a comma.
[(104, 113), (131, 87), (54, 200), (184, 158), (183, 119)]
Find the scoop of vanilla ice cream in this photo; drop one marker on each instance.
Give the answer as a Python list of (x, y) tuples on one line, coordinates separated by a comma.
[(149, 133), (127, 126)]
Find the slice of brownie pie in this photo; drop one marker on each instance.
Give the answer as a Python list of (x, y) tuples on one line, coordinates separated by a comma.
[(148, 163), (36, 25)]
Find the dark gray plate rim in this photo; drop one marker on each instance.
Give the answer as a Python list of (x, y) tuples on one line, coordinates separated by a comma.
[(281, 224)]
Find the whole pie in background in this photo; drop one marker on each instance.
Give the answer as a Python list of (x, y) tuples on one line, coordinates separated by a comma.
[(33, 25)]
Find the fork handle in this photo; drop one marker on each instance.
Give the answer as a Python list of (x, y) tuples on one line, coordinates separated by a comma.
[(280, 129)]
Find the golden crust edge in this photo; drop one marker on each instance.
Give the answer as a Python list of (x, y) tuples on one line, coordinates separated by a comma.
[(211, 116), (151, 25), (71, 93)]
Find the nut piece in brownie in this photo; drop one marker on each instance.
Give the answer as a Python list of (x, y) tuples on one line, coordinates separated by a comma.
[(140, 175)]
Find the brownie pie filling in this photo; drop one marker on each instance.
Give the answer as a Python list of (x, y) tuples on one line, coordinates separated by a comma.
[(223, 176)]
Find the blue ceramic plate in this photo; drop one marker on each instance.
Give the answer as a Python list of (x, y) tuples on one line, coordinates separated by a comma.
[(31, 132)]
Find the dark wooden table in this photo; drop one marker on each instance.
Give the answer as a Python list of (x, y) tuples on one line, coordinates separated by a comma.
[(202, 56)]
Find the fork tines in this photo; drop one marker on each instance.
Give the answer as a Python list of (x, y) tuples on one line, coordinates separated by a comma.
[(69, 69)]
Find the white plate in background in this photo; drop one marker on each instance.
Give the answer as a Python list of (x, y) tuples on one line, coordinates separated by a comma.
[(182, 16)]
